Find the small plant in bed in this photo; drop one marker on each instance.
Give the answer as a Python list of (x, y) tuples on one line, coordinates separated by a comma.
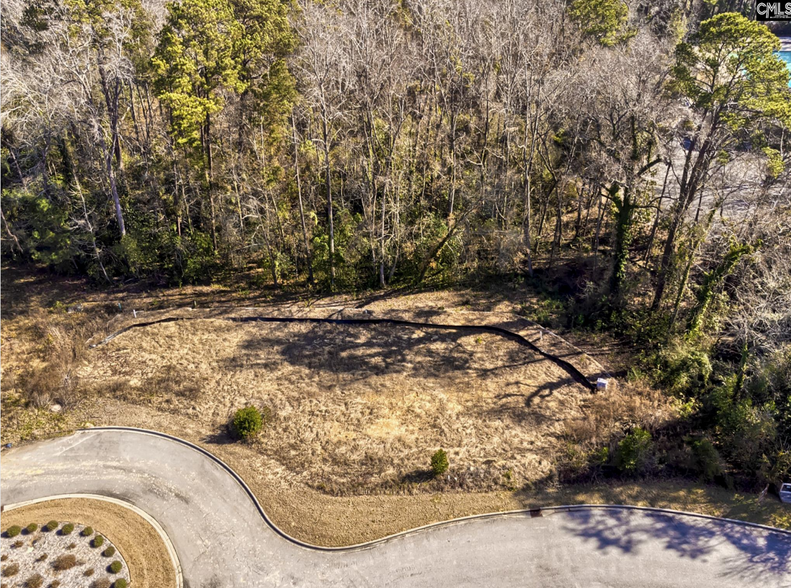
[(109, 552), (10, 570), (101, 583), (115, 567), (98, 541), (247, 422), (64, 562), (119, 583), (13, 531), (66, 529), (50, 526), (439, 462), (34, 581), (31, 528), (86, 532)]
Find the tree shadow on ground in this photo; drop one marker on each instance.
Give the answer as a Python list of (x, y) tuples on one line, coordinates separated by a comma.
[(759, 552), (356, 352)]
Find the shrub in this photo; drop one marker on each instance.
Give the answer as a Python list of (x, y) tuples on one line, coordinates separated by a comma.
[(439, 462), (13, 531), (31, 528), (66, 529), (634, 452), (101, 583), (88, 572), (34, 581), (50, 526), (115, 567), (54, 584), (98, 541), (706, 459), (109, 552), (119, 583), (10, 570), (86, 532), (247, 422), (64, 562)]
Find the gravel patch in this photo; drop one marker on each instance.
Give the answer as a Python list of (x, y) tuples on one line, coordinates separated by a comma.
[(70, 559)]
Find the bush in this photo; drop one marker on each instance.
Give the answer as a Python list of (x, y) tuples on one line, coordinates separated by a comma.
[(66, 529), (247, 422), (31, 528), (86, 532), (109, 552), (706, 459), (115, 567), (10, 570), (50, 526), (119, 583), (64, 562), (439, 462), (13, 531), (634, 452), (98, 541), (34, 581)]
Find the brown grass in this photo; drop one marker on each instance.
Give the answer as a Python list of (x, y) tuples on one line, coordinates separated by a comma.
[(64, 562), (356, 409)]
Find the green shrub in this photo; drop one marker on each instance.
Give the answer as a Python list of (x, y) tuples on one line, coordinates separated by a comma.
[(51, 526), (706, 459), (119, 583), (247, 422), (109, 552), (634, 452), (439, 462), (115, 567), (98, 541), (13, 531), (31, 528), (86, 532), (66, 529)]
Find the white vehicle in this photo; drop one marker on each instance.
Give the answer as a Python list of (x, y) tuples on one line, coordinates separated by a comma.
[(785, 493)]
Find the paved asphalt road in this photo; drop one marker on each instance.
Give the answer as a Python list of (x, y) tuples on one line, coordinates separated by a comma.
[(222, 540)]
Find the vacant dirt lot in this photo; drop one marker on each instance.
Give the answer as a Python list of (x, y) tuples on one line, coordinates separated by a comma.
[(355, 408)]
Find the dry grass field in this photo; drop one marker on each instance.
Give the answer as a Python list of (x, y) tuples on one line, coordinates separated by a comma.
[(356, 410)]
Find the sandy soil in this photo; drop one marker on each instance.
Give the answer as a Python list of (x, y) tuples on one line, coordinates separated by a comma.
[(143, 549)]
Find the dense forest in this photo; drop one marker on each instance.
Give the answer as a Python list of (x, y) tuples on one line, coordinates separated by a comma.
[(629, 157)]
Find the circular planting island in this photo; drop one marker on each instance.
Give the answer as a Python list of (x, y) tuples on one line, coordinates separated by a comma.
[(50, 554), (93, 542)]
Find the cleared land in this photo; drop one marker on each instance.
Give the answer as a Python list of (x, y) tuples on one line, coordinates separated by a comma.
[(142, 548), (356, 411)]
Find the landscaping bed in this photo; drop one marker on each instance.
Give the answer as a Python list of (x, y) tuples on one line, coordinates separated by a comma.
[(53, 553)]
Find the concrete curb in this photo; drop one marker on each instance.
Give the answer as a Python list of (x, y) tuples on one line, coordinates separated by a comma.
[(174, 558), (369, 544)]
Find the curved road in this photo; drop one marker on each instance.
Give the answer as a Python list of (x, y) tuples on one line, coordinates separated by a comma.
[(222, 540)]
